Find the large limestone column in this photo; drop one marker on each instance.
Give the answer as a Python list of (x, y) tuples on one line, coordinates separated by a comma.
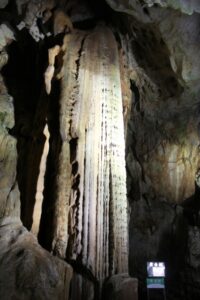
[(91, 205)]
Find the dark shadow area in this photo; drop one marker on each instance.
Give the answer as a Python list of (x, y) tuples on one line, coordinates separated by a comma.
[(191, 208), (45, 235), (152, 55), (23, 76)]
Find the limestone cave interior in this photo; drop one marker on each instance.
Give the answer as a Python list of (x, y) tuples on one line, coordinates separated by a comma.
[(99, 149)]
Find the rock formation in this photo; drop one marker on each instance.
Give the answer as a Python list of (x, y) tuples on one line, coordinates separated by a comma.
[(25, 266), (125, 78), (91, 205)]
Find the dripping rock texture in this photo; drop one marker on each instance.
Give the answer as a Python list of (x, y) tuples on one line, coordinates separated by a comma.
[(91, 207), (84, 203)]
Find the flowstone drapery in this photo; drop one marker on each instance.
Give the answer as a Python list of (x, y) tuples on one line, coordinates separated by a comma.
[(91, 204)]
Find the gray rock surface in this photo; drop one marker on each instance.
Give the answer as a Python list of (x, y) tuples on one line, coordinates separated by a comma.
[(135, 7), (3, 3), (121, 287), (9, 199), (26, 270)]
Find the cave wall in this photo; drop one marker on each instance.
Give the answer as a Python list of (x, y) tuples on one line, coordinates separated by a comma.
[(163, 147), (25, 266), (10, 206), (70, 222), (158, 45)]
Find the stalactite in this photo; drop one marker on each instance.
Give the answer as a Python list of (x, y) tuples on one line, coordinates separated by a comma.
[(91, 205), (40, 185), (64, 203)]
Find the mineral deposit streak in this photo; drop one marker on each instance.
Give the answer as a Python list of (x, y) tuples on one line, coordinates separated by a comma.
[(91, 219)]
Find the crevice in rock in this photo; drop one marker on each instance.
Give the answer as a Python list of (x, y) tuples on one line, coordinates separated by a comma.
[(45, 235), (24, 81), (110, 225), (73, 150), (24, 78), (135, 90), (79, 58)]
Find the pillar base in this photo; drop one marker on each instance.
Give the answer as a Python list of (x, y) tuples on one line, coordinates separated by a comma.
[(121, 287)]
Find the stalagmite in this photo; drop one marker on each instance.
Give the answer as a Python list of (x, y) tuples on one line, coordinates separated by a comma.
[(91, 207)]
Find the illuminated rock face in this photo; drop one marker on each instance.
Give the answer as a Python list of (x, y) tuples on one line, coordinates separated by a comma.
[(91, 204), (171, 171)]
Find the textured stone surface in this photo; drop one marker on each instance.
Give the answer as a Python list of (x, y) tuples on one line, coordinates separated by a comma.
[(183, 5), (121, 287), (178, 31), (6, 35), (91, 205), (163, 130), (136, 7), (82, 288), (159, 49), (170, 171), (163, 147), (9, 200), (26, 270), (182, 40), (3, 3)]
